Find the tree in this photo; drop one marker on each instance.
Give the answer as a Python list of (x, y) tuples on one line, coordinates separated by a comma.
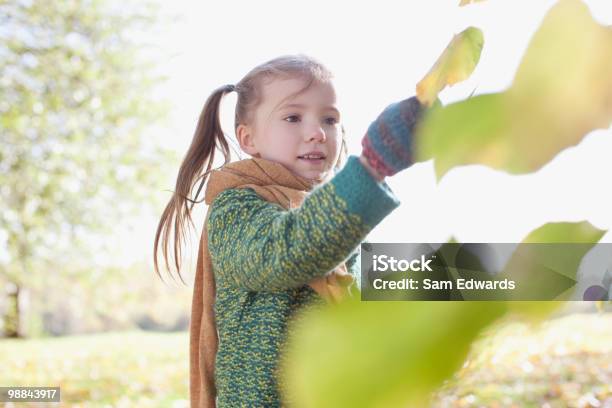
[(75, 100)]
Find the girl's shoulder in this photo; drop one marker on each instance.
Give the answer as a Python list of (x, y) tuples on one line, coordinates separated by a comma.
[(239, 202), (232, 194), (239, 195)]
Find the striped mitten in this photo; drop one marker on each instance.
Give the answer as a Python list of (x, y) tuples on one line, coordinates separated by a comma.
[(387, 144)]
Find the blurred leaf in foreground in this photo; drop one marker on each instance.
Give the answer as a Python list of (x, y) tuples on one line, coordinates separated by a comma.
[(389, 354), (534, 260), (456, 64), (574, 232), (383, 354), (561, 91)]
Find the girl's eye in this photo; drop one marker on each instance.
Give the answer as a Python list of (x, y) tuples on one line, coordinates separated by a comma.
[(331, 121), (292, 118)]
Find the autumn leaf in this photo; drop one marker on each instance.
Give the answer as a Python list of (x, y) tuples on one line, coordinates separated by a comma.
[(559, 94), (467, 2), (456, 64)]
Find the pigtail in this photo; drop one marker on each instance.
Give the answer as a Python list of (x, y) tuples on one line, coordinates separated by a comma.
[(207, 138)]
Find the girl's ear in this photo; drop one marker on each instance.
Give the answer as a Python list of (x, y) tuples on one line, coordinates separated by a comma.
[(244, 134)]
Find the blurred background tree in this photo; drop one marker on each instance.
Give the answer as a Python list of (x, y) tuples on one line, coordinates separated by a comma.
[(77, 95)]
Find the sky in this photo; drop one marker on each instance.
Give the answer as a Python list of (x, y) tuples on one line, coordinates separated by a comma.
[(378, 51)]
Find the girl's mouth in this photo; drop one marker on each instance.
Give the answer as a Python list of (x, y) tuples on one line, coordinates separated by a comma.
[(318, 160), (312, 158)]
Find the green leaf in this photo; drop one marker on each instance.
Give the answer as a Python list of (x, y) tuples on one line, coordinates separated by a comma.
[(472, 131), (543, 267), (559, 94), (456, 64), (383, 354), (577, 232)]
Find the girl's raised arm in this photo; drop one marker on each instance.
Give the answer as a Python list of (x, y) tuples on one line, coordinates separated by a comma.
[(259, 246)]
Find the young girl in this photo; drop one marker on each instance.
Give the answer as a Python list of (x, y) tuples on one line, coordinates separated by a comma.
[(282, 227)]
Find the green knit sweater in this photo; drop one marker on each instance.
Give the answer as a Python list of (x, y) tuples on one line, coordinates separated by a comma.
[(263, 256)]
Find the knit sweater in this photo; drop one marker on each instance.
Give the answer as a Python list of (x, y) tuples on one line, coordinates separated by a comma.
[(263, 256)]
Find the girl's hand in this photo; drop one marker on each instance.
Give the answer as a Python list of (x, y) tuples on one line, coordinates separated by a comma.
[(387, 145)]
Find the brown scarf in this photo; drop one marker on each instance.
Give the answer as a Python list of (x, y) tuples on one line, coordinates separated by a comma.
[(274, 183)]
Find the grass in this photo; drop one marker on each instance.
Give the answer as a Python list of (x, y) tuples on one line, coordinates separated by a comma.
[(127, 369), (566, 362)]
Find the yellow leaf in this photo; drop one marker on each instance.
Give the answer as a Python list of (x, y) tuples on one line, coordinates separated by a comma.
[(570, 87), (467, 2), (456, 63)]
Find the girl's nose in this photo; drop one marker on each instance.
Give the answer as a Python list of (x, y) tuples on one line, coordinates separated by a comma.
[(317, 134)]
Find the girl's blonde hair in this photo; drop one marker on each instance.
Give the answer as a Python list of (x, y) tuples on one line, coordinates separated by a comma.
[(209, 137)]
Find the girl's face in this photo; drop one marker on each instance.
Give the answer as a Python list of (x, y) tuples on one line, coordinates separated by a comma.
[(287, 127)]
